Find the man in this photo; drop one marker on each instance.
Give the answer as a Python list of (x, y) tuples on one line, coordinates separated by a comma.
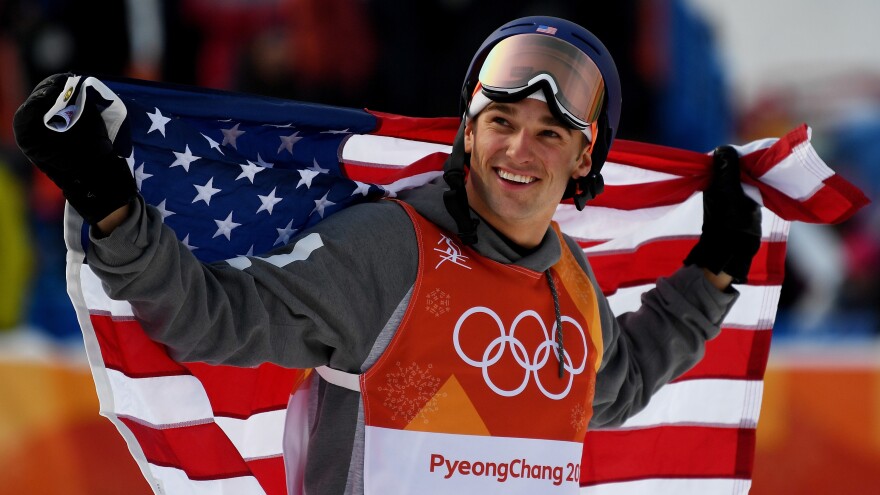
[(483, 347)]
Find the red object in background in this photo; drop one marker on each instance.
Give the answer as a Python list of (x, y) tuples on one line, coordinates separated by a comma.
[(862, 253), (47, 202), (331, 42), (227, 27)]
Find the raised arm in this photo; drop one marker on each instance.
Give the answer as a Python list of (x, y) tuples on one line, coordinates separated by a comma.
[(666, 336)]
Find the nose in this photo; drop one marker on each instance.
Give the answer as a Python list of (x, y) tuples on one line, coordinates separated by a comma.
[(520, 147)]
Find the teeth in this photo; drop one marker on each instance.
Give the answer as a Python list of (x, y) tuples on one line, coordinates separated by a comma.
[(522, 179)]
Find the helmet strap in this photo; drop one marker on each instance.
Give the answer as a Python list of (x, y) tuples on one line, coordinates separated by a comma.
[(587, 188), (455, 198)]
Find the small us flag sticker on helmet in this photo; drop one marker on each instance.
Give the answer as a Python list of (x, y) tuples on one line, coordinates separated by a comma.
[(546, 29)]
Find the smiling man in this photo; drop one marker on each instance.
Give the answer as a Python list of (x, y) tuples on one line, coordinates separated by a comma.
[(522, 159), (461, 341)]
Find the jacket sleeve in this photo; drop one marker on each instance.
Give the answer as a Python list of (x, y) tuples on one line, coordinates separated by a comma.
[(323, 306), (647, 348)]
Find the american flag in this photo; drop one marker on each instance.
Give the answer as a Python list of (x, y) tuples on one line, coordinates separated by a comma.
[(239, 174)]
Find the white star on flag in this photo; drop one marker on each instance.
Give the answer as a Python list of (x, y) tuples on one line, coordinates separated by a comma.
[(322, 203), (287, 142), (140, 176), (224, 227), (130, 161), (317, 168), (263, 163), (268, 202), (231, 135), (158, 122), (184, 159), (285, 233), (205, 192), (249, 170), (213, 144), (343, 131), (361, 188), (186, 243), (163, 210), (306, 177)]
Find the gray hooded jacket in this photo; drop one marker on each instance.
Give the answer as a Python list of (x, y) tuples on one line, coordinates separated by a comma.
[(341, 306)]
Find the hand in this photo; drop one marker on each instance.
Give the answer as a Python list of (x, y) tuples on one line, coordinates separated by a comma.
[(81, 161), (731, 222)]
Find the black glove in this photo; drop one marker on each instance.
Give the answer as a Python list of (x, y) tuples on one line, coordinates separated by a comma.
[(731, 221), (81, 161)]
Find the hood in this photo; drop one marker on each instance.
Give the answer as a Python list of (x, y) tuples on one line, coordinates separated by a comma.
[(428, 202)]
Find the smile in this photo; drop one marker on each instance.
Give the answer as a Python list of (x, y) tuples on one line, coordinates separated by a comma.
[(521, 179)]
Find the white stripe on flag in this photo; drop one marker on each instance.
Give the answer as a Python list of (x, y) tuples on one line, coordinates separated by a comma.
[(96, 299), (175, 482), (387, 152), (744, 314), (161, 400), (611, 223), (616, 174), (755, 308), (630, 229), (257, 436), (411, 182), (734, 403), (800, 174), (682, 220), (671, 487)]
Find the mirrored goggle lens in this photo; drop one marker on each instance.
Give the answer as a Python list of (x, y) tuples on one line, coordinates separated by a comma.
[(517, 60)]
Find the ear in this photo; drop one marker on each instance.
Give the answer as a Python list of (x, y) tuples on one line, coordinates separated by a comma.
[(584, 164), (469, 135)]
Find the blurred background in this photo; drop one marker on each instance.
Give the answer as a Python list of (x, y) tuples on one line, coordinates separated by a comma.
[(695, 74)]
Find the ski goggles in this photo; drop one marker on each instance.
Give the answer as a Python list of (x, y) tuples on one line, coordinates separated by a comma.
[(570, 80)]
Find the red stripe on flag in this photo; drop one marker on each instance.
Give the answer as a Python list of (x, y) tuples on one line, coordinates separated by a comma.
[(662, 257), (270, 473), (386, 175), (202, 451), (127, 349), (734, 354), (836, 201), (761, 161), (434, 130), (647, 195), (661, 158), (243, 392), (667, 452)]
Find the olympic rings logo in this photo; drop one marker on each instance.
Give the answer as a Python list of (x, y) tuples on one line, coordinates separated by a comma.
[(530, 364)]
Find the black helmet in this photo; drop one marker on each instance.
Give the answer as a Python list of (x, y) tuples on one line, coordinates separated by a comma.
[(578, 78)]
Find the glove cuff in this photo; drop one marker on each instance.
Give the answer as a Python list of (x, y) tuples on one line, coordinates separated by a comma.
[(728, 252), (102, 188)]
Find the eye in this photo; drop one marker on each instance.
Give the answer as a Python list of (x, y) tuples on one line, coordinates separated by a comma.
[(550, 133), (500, 121)]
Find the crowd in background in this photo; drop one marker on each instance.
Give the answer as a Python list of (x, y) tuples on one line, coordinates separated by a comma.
[(409, 58)]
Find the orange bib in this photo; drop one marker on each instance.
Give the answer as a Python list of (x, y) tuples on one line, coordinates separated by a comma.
[(467, 396)]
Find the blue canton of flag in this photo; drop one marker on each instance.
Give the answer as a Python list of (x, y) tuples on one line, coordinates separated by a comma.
[(235, 177)]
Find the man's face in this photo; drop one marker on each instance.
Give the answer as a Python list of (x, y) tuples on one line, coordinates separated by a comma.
[(521, 161)]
